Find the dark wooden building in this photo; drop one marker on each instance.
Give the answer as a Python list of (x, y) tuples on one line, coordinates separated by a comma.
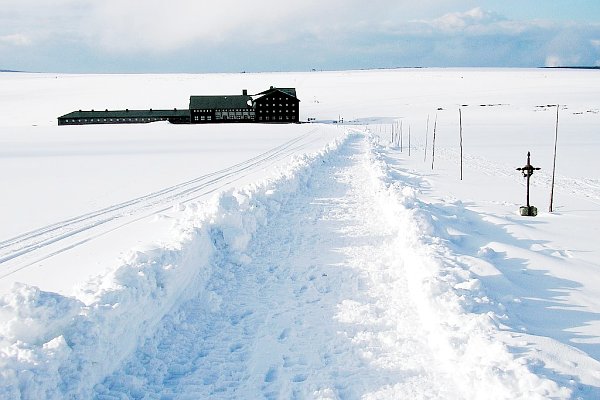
[(278, 105), (275, 105), (124, 117), (211, 109)]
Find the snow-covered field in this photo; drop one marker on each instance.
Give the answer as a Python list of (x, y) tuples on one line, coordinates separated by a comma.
[(302, 261)]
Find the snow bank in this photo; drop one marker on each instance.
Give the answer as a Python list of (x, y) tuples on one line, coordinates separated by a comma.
[(55, 347), (462, 322)]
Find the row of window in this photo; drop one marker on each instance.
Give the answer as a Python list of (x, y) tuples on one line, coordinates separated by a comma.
[(238, 109), (231, 116), (281, 118), (273, 105), (224, 110), (196, 118), (92, 120), (275, 112)]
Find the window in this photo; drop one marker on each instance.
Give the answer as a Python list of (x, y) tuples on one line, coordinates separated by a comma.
[(208, 118)]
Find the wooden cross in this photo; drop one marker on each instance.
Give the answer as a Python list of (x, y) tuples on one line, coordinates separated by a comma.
[(527, 171)]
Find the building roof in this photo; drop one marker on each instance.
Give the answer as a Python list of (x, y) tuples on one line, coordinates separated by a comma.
[(220, 102), (128, 114), (288, 91)]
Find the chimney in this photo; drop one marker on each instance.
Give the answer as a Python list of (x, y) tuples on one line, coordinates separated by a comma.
[(245, 92)]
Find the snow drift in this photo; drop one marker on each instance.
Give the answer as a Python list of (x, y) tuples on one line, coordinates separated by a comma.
[(55, 346), (462, 321)]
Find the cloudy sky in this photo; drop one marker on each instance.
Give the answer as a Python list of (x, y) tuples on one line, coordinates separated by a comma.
[(283, 35)]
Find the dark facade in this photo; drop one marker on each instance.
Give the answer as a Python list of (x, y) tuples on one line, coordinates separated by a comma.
[(279, 105), (211, 109), (276, 105), (124, 117)]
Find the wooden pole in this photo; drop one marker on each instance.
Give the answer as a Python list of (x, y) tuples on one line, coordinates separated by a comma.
[(433, 147), (554, 163), (461, 143), (409, 140), (426, 136), (401, 135)]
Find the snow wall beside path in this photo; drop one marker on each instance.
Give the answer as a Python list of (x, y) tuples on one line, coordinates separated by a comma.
[(55, 347)]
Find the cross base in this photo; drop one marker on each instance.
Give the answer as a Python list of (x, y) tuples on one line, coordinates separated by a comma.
[(530, 211)]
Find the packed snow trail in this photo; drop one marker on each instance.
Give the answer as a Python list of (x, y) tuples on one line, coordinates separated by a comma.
[(317, 307)]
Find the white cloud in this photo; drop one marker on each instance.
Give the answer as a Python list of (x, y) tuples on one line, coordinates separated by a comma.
[(553, 61), (160, 25), (16, 39), (461, 21), (474, 22), (314, 32)]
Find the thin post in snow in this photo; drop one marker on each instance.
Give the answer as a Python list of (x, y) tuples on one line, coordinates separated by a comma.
[(392, 140), (554, 163), (433, 146), (401, 144), (426, 136), (409, 140), (461, 143)]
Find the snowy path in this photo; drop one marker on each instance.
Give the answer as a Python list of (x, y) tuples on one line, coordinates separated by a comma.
[(320, 309)]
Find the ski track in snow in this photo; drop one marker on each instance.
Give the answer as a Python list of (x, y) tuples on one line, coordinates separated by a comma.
[(31, 247), (318, 308)]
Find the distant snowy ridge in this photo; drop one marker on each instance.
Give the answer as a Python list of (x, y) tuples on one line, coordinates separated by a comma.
[(55, 347), (448, 296)]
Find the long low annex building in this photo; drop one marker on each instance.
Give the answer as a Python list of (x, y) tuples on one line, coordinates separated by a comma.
[(124, 117), (275, 105)]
